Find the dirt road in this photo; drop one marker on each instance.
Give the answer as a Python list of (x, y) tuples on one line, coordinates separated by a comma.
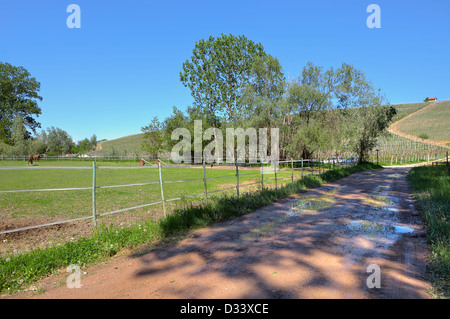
[(317, 244)]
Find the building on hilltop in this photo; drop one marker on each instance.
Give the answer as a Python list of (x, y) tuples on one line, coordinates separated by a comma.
[(431, 99)]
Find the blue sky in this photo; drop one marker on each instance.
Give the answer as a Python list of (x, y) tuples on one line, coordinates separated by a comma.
[(121, 68)]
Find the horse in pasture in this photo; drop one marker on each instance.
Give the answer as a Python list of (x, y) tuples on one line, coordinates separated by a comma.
[(30, 159)]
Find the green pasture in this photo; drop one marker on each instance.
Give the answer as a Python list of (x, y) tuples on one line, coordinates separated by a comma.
[(68, 204)]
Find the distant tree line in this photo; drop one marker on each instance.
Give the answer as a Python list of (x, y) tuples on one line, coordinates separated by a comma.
[(235, 83)]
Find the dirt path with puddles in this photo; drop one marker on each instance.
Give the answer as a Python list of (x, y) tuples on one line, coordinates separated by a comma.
[(330, 242)]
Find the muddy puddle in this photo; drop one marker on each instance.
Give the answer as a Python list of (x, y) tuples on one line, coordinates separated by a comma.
[(305, 205), (377, 228), (312, 204)]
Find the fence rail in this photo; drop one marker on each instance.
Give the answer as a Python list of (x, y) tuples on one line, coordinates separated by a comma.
[(74, 158), (312, 165)]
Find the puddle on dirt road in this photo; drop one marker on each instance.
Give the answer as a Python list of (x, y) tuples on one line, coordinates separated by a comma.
[(366, 227), (403, 229), (306, 205), (312, 204), (377, 201)]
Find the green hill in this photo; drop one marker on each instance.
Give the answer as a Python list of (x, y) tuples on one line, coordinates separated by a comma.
[(121, 146), (433, 123), (404, 110)]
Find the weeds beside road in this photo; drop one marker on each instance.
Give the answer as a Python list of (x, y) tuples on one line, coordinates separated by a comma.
[(431, 188)]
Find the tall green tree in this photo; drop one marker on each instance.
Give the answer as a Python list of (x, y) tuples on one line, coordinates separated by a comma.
[(153, 137), (18, 96), (38, 143), (19, 136), (308, 101), (85, 145), (366, 111), (59, 142), (218, 72), (333, 110), (263, 93)]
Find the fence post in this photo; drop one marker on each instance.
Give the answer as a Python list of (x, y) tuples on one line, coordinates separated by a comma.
[(204, 179), (311, 165), (275, 169), (292, 170), (262, 176), (237, 178), (302, 167), (94, 208), (162, 190)]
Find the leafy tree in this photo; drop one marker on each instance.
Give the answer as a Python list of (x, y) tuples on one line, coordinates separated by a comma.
[(308, 101), (153, 137), (217, 73), (367, 114), (85, 145), (264, 92), (19, 136), (93, 142), (333, 109), (263, 98), (82, 147), (59, 141), (177, 120), (39, 143), (18, 96)]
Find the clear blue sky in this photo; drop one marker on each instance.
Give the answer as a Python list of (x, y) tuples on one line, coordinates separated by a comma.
[(121, 68)]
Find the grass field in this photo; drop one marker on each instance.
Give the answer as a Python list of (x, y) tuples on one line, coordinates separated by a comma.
[(431, 124), (23, 209)]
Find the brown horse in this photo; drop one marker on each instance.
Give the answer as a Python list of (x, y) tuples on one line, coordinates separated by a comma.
[(32, 158)]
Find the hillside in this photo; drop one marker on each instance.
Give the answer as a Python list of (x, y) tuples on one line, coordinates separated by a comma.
[(428, 125), (404, 110), (434, 122), (122, 146)]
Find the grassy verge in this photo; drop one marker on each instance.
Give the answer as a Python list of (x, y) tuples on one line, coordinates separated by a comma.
[(18, 271), (431, 188)]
